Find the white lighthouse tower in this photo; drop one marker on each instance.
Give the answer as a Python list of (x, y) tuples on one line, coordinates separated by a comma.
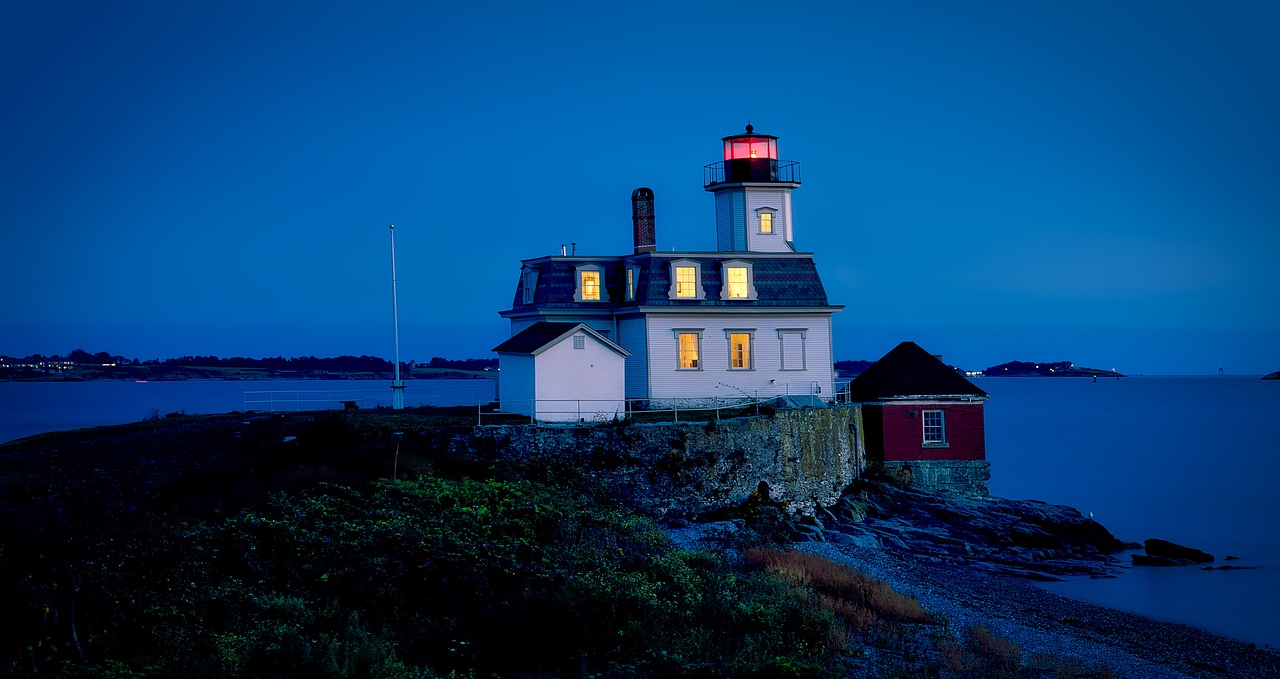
[(753, 194)]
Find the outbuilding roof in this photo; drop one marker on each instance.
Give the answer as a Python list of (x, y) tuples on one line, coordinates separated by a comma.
[(543, 334), (906, 371)]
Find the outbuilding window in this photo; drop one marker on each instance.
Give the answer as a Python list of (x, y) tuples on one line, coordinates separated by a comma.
[(935, 428)]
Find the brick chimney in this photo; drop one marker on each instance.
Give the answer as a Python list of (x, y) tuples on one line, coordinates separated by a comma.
[(642, 220)]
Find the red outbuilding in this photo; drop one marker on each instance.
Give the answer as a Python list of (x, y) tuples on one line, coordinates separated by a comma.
[(923, 421)]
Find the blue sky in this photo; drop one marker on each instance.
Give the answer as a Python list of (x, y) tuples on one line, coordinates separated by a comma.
[(1087, 181)]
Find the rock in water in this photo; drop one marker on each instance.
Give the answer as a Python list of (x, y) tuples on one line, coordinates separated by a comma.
[(1170, 550)]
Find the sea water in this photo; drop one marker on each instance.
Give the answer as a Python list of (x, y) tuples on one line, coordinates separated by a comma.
[(28, 408), (1193, 459)]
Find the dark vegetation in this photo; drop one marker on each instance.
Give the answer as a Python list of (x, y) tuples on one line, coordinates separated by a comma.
[(209, 546), (852, 368), (358, 544)]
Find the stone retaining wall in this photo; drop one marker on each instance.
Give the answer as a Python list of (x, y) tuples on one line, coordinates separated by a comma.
[(965, 477), (806, 457)]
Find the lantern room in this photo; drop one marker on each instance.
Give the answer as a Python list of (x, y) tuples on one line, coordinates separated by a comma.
[(751, 157)]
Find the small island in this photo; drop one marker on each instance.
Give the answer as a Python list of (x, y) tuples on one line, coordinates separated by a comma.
[(1058, 369), (1273, 376)]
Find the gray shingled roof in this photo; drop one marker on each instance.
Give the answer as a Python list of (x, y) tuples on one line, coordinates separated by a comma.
[(779, 281), (908, 370)]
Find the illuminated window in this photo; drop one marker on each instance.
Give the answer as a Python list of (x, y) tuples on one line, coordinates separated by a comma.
[(739, 349), (631, 283), (736, 282), (690, 351), (935, 430), (736, 276), (766, 222), (686, 280), (590, 284)]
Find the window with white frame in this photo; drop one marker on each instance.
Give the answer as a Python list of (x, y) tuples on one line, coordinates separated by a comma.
[(764, 219), (590, 286), (738, 281), (686, 280), (935, 428), (689, 348), (633, 276), (791, 345), (740, 349)]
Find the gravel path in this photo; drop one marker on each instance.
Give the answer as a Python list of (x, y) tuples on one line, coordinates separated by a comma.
[(1133, 646)]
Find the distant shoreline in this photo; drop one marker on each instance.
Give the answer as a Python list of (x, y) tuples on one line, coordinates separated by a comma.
[(261, 377)]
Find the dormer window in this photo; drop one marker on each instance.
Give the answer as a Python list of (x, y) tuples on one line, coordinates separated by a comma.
[(529, 284), (764, 220), (633, 279), (686, 280), (738, 281), (590, 286)]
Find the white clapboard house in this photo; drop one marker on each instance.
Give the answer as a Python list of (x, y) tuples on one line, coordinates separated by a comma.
[(749, 320)]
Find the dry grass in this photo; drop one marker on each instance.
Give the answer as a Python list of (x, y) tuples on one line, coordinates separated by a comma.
[(855, 597)]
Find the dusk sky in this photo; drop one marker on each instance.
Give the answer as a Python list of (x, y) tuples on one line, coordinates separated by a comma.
[(1087, 181)]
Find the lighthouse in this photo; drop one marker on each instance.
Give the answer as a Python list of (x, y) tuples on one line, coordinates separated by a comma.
[(752, 191)]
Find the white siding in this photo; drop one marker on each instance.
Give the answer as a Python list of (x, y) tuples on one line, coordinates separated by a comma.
[(515, 383), (631, 335), (715, 379), (575, 384), (770, 198), (786, 218)]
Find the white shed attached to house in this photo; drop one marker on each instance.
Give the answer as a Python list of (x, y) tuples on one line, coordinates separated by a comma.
[(562, 372)]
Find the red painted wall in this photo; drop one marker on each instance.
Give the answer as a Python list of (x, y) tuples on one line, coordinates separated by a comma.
[(904, 435)]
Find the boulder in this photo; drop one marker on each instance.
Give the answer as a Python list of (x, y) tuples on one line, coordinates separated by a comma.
[(1170, 550)]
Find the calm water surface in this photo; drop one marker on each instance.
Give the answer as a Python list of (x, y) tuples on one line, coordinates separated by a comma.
[(1189, 459), (1194, 460)]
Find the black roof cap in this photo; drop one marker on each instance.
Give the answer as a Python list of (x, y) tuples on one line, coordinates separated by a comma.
[(909, 370), (542, 333)]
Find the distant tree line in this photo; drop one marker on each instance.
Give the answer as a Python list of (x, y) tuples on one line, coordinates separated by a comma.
[(851, 368), (335, 364)]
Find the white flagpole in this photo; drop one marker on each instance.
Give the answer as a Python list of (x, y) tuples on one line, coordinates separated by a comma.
[(397, 386)]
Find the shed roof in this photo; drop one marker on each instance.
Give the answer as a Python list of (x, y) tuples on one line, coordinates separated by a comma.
[(543, 334), (908, 370)]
